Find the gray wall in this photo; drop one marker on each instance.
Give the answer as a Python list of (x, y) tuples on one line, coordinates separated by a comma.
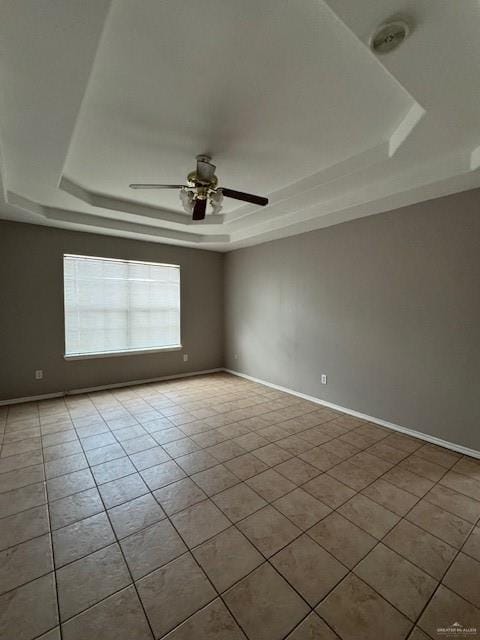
[(31, 311), (387, 306)]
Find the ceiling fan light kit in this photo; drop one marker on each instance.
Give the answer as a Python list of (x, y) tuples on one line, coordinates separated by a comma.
[(201, 188)]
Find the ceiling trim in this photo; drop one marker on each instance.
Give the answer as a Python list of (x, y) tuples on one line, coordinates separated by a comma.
[(129, 206), (86, 219)]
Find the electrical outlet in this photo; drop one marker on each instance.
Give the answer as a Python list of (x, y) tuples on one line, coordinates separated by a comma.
[(235, 357), (39, 374), (324, 379), (185, 357)]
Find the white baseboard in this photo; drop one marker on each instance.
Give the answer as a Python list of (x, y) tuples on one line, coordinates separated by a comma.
[(104, 387), (383, 423)]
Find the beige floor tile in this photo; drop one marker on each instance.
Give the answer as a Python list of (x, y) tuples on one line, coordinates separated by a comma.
[(423, 467), (180, 447), (268, 530), (70, 483), (113, 470), (468, 466), (417, 545), (386, 452), (251, 441), (246, 466), (295, 444), (118, 617), (302, 508), (21, 499), (135, 515), (342, 539), (213, 622), (297, 471), (353, 476), (61, 466), (23, 526), (277, 608), (270, 485), (400, 582), (199, 522), (438, 455), (445, 608), (468, 485), (340, 448), (21, 446), (179, 495), (105, 454), (163, 436), (328, 490), (39, 599), (162, 474), (309, 568), (25, 562), (472, 545), (369, 516), (403, 442), (390, 496), (440, 523), (370, 462), (135, 445), (408, 481), (23, 434), (97, 441), (61, 450), (238, 502), (149, 458), (122, 490), (215, 479), (272, 454), (312, 628), (21, 461), (457, 503), (84, 582), (463, 577), (196, 461), (151, 548), (369, 615), (21, 478), (173, 593), (81, 538), (75, 507), (227, 558), (315, 437), (322, 459), (226, 450), (208, 439)]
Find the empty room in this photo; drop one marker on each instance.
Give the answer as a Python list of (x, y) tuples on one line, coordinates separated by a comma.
[(239, 320)]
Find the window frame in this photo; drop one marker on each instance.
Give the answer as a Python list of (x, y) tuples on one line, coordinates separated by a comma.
[(123, 352)]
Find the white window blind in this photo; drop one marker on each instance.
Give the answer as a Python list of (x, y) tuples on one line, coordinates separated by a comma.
[(115, 306)]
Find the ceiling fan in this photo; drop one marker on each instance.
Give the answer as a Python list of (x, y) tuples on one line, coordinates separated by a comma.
[(202, 187)]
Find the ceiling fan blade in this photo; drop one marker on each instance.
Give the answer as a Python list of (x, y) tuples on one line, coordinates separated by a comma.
[(156, 186), (199, 210), (245, 197)]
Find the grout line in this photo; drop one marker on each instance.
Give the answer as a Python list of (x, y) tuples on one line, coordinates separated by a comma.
[(51, 545)]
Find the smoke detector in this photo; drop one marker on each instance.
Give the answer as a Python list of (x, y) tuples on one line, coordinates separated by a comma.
[(389, 36)]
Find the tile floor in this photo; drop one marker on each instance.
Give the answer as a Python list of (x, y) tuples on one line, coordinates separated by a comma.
[(214, 508)]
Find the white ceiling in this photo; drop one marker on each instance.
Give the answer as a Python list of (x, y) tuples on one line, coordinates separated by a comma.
[(286, 96)]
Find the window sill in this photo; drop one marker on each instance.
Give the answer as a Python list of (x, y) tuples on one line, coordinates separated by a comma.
[(114, 354)]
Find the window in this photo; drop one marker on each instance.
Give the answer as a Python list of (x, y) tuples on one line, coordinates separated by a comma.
[(120, 306)]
